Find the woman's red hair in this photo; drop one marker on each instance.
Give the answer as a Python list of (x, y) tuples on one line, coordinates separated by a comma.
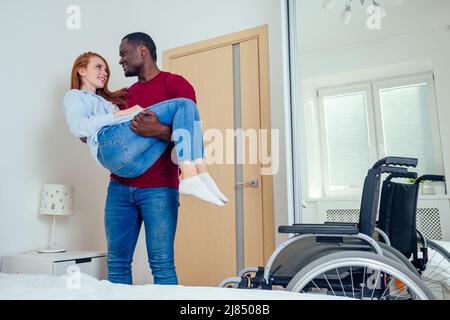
[(117, 97)]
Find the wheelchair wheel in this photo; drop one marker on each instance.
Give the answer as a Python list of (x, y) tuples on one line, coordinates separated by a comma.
[(359, 275), (392, 253), (437, 272)]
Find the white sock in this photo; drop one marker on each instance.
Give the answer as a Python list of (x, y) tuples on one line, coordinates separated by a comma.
[(209, 182), (194, 186)]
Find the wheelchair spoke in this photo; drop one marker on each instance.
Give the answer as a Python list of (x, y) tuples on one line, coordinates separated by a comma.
[(342, 286), (387, 287), (430, 259), (443, 258), (317, 287), (397, 297), (403, 290), (434, 279), (329, 284), (363, 284), (353, 286), (434, 284), (397, 293), (428, 275), (376, 283)]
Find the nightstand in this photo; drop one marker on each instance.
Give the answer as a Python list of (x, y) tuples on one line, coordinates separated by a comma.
[(89, 262)]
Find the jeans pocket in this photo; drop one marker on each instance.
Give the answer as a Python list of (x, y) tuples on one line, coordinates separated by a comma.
[(113, 154)]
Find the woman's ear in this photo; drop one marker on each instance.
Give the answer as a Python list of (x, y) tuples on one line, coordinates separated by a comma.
[(82, 72)]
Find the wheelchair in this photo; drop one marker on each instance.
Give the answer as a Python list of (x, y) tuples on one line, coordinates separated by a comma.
[(344, 259)]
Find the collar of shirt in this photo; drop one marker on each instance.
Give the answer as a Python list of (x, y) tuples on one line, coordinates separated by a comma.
[(104, 103), (88, 92), (95, 95)]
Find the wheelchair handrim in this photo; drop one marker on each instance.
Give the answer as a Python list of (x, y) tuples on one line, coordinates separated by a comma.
[(360, 262)]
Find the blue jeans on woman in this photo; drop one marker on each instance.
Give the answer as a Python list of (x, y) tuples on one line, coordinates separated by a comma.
[(129, 155), (126, 208)]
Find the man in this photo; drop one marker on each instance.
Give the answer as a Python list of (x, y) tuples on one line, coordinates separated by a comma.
[(153, 196)]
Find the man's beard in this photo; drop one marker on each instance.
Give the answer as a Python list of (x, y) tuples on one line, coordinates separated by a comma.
[(130, 73)]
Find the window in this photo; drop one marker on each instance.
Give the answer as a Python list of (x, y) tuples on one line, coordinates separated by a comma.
[(363, 123)]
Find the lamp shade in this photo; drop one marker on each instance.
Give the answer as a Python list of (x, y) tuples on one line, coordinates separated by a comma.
[(57, 199)]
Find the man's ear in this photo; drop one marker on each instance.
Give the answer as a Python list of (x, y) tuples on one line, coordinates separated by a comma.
[(144, 52)]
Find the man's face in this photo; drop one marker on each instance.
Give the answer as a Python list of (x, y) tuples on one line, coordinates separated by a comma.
[(130, 58)]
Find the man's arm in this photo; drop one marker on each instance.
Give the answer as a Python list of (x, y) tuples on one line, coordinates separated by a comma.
[(147, 124)]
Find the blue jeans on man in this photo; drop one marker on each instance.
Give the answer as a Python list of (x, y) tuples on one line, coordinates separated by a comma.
[(125, 210), (129, 155)]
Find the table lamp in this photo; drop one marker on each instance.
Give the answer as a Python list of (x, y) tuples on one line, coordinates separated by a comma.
[(56, 200)]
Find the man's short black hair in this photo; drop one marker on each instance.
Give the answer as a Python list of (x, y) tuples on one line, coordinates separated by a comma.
[(143, 39)]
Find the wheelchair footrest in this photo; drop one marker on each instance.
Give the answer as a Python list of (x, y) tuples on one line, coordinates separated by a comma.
[(328, 228)]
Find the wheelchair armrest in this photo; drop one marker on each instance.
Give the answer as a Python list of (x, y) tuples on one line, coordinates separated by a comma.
[(328, 228), (339, 223)]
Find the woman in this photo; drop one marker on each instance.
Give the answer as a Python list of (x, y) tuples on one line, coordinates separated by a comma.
[(91, 111)]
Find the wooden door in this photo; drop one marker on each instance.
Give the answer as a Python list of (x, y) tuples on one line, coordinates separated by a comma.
[(213, 243)]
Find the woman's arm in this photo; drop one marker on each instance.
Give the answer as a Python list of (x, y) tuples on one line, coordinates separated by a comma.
[(126, 112), (79, 121)]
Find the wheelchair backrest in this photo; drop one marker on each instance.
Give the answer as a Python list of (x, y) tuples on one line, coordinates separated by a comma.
[(369, 202), (371, 189), (397, 218), (398, 211)]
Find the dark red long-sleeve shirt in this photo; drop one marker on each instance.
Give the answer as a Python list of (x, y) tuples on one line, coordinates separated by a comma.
[(165, 86)]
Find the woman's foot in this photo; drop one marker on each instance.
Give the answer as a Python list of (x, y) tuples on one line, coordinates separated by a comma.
[(194, 186), (212, 186)]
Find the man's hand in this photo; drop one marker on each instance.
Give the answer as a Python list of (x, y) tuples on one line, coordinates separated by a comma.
[(146, 123)]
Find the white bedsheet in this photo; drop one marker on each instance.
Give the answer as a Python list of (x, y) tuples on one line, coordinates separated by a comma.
[(45, 287)]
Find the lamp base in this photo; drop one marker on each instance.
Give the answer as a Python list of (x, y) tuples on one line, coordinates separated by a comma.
[(51, 250)]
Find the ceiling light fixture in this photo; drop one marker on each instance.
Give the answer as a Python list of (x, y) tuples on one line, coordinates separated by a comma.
[(347, 13), (328, 4)]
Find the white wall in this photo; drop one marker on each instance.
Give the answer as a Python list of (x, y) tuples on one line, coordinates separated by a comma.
[(36, 57), (322, 30)]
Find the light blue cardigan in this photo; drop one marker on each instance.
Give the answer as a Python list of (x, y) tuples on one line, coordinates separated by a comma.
[(86, 113)]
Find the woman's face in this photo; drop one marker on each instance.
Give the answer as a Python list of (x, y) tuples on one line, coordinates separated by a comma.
[(94, 76)]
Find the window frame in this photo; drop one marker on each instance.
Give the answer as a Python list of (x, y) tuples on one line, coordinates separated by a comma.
[(374, 122), (336, 91), (404, 81)]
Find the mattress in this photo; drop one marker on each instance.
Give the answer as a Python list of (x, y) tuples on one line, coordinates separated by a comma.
[(84, 287)]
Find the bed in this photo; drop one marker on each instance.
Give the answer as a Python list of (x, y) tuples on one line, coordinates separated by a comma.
[(85, 287)]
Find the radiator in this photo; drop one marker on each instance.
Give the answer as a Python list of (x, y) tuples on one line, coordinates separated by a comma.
[(428, 220)]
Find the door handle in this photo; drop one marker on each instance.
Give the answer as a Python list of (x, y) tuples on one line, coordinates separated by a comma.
[(251, 183)]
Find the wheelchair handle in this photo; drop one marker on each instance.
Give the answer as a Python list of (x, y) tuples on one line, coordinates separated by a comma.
[(396, 161), (412, 175), (393, 170), (430, 177)]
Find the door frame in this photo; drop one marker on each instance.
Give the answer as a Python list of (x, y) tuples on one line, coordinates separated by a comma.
[(261, 34)]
